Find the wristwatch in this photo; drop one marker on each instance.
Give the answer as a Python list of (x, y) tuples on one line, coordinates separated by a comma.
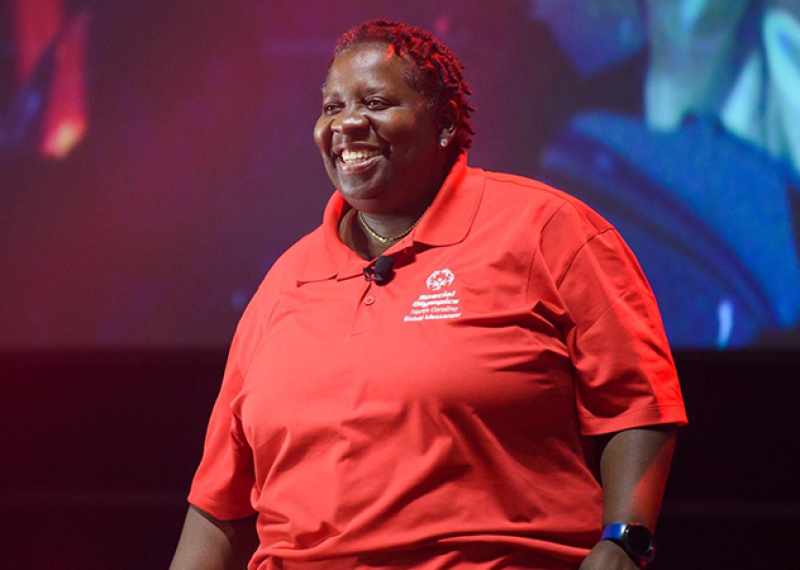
[(635, 539)]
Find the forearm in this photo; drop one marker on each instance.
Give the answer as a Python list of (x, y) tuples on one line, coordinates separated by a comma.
[(207, 543), (634, 465)]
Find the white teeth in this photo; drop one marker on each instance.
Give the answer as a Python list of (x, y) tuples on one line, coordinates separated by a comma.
[(350, 156)]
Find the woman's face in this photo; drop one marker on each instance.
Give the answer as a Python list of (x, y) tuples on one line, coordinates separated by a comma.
[(377, 136)]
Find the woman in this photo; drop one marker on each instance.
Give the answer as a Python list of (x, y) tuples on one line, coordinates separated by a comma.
[(441, 374)]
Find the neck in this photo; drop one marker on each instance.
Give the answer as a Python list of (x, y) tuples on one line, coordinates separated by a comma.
[(389, 229), (359, 234), (358, 240)]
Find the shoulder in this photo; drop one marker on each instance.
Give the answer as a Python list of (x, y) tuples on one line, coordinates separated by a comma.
[(550, 210), (550, 223)]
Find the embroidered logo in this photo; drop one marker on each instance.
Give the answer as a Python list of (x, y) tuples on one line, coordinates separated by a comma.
[(440, 278), (438, 305)]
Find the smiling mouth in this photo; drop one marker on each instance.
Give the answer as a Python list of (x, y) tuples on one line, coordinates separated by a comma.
[(357, 160), (357, 156)]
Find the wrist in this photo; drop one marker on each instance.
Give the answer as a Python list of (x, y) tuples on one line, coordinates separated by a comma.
[(635, 539)]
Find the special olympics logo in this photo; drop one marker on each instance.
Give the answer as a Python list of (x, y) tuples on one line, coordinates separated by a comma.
[(439, 279)]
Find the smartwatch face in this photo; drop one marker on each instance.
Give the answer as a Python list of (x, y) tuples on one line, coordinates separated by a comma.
[(639, 539)]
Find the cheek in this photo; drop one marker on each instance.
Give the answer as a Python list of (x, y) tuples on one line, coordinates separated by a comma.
[(414, 138), (323, 134), (415, 128)]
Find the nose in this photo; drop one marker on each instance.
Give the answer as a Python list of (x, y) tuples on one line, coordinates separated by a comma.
[(349, 121)]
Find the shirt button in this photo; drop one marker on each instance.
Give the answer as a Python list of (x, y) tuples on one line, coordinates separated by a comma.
[(369, 299)]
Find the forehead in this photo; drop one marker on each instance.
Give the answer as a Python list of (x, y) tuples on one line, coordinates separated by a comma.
[(367, 65)]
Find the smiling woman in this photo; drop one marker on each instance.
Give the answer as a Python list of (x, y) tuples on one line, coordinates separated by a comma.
[(390, 130), (513, 359)]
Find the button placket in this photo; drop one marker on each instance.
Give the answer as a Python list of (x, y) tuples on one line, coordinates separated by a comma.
[(364, 314)]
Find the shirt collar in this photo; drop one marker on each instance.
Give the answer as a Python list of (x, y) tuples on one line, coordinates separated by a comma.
[(447, 222)]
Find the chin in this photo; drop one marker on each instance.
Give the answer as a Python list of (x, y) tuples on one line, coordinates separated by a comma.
[(358, 197), (359, 193)]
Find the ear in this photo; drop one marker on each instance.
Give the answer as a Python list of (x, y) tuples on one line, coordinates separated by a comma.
[(449, 119)]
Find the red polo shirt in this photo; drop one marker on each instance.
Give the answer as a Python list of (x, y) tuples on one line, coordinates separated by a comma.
[(438, 420)]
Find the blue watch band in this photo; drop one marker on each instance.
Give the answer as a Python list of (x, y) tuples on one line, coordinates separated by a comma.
[(634, 538), (614, 531)]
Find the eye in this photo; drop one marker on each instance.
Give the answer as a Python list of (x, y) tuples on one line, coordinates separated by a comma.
[(376, 104), (331, 108)]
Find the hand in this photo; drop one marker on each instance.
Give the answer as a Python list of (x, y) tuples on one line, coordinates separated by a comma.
[(607, 555)]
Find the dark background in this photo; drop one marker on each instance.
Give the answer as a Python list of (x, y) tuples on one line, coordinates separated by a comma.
[(125, 264)]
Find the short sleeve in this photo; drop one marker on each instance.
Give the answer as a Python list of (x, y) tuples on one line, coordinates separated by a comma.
[(624, 372), (225, 478)]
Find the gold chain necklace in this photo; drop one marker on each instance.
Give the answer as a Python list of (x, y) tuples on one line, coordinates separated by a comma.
[(384, 239)]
